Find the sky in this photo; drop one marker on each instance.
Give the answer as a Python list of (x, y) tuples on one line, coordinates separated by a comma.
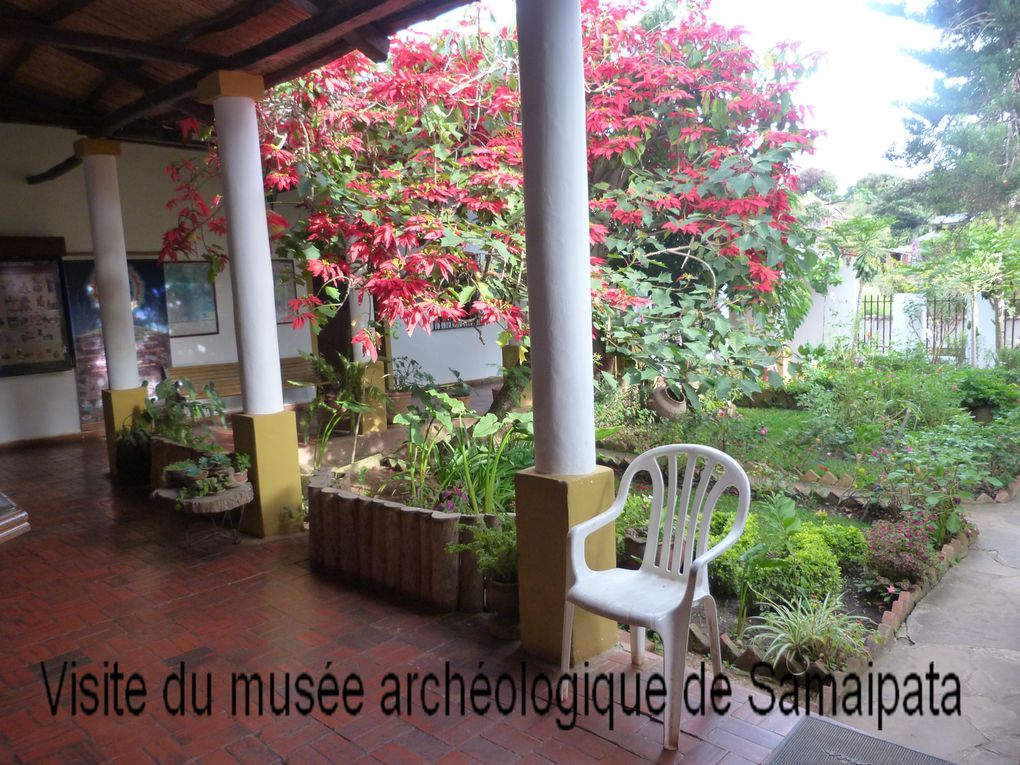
[(862, 77), (864, 73)]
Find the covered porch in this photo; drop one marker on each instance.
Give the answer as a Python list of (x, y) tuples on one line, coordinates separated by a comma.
[(101, 578)]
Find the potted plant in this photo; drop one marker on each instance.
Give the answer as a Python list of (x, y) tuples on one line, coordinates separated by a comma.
[(495, 547), (217, 465), (241, 463), (134, 454), (183, 473), (406, 378)]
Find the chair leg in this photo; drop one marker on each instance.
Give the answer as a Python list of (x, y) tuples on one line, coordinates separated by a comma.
[(568, 630), (712, 617), (637, 645), (674, 643)]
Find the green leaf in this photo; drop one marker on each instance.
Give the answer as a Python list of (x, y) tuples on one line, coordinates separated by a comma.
[(763, 184), (486, 426), (739, 184)]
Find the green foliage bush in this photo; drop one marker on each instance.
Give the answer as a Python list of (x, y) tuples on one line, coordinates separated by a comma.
[(847, 543), (813, 570), (859, 402), (985, 387)]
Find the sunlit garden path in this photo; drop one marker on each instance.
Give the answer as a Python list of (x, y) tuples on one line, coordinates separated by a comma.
[(970, 625)]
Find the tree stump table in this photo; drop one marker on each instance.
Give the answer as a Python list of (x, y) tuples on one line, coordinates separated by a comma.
[(218, 508)]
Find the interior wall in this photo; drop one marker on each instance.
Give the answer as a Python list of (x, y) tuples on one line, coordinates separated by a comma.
[(40, 406)]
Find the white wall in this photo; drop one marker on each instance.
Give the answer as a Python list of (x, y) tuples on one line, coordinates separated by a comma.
[(831, 316), (38, 406), (472, 352)]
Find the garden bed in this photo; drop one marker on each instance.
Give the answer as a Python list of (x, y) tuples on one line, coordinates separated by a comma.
[(889, 445)]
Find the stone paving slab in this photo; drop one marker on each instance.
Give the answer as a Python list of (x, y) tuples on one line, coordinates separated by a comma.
[(970, 625)]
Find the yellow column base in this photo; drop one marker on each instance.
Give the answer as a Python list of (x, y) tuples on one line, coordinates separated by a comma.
[(375, 421), (120, 407), (271, 442), (547, 507)]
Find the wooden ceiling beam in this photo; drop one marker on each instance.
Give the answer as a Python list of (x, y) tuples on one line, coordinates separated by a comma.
[(370, 41), (220, 23), (319, 58), (41, 34), (60, 10), (334, 19), (59, 169)]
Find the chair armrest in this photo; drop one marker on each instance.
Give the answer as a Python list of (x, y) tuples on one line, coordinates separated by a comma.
[(714, 552), (577, 534)]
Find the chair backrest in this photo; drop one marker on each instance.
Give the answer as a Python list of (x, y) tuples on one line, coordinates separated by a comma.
[(683, 500)]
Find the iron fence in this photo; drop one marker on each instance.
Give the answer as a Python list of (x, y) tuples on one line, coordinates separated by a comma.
[(946, 335), (876, 322)]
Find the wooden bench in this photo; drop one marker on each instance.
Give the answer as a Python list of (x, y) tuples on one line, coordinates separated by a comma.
[(226, 378)]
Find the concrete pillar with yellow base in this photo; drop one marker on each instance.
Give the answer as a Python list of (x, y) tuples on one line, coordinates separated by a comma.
[(565, 487), (547, 507), (120, 407), (271, 442), (265, 432)]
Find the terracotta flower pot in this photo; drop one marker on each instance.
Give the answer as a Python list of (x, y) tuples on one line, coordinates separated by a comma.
[(501, 598), (400, 401)]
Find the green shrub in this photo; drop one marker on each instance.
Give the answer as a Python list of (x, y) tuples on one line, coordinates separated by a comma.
[(813, 571), (635, 515), (984, 387), (857, 402), (724, 571), (1007, 362), (846, 542)]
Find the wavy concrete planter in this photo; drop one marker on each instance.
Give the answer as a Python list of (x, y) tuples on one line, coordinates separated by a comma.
[(392, 547)]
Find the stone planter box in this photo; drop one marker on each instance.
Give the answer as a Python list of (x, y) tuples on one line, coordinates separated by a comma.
[(392, 547)]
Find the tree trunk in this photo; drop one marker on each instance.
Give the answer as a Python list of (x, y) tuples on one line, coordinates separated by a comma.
[(509, 395)]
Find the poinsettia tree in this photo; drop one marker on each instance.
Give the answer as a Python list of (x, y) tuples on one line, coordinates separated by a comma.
[(406, 177)]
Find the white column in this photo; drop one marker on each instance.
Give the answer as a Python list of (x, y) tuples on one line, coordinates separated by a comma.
[(556, 219), (251, 269), (981, 337), (99, 159)]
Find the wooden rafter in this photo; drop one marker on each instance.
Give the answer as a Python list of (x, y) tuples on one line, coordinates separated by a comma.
[(107, 45), (56, 12), (370, 41), (334, 19), (224, 21)]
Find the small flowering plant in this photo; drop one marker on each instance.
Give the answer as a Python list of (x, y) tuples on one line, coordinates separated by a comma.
[(902, 549)]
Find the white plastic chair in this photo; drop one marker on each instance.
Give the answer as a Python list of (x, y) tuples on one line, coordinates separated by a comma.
[(673, 576)]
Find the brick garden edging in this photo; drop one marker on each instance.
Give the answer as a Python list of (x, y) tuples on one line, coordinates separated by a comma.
[(393, 547)]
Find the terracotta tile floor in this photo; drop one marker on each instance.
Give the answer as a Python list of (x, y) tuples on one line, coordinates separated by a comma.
[(102, 578)]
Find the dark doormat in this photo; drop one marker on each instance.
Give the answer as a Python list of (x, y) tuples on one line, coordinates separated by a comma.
[(815, 741)]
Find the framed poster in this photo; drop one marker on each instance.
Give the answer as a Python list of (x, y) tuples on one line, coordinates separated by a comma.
[(34, 337), (152, 339), (284, 289), (190, 300)]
